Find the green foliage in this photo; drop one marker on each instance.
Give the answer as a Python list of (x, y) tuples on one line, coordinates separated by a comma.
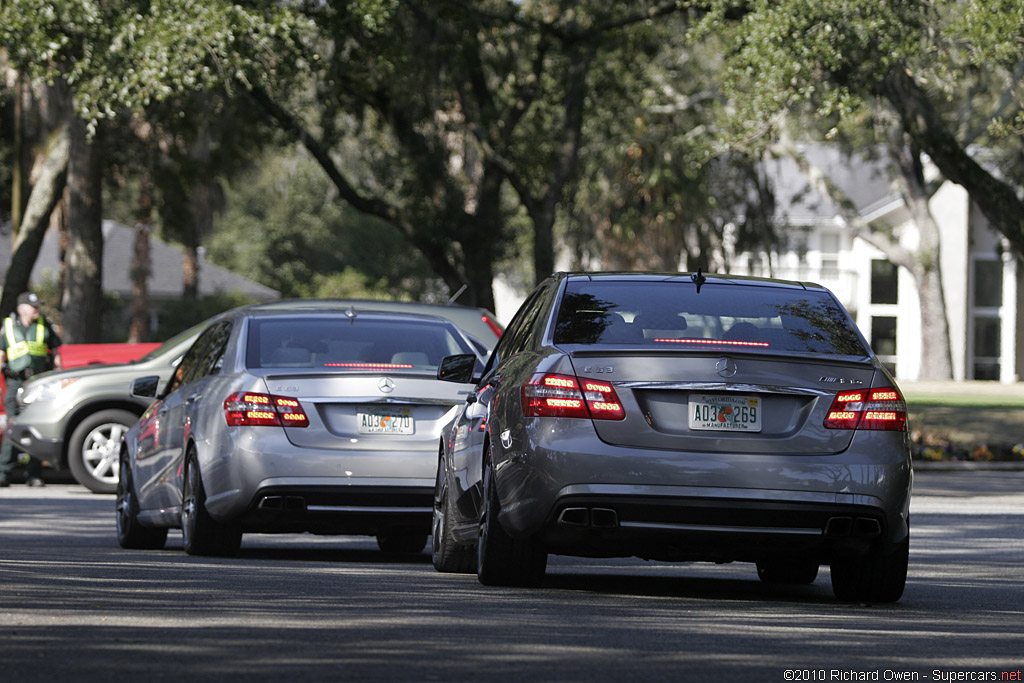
[(286, 229), (179, 315), (115, 326), (830, 54), (124, 55), (6, 147), (992, 31), (654, 183)]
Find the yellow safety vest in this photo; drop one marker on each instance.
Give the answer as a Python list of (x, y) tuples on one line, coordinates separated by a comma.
[(20, 348)]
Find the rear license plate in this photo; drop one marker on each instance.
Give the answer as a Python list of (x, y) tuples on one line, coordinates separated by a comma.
[(385, 423), (725, 413)]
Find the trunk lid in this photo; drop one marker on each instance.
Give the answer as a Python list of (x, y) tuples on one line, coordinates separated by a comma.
[(730, 403), (369, 411)]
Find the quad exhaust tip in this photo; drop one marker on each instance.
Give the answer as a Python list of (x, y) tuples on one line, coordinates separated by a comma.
[(857, 527), (596, 518), (283, 503)]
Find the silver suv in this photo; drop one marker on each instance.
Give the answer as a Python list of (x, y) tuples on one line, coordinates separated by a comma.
[(74, 419)]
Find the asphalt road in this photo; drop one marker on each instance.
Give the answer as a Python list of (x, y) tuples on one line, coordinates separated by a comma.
[(76, 607)]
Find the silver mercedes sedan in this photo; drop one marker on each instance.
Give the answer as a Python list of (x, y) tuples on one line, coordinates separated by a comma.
[(317, 420), (679, 418)]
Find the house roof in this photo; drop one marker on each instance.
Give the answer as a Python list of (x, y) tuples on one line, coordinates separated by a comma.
[(864, 180), (165, 280)]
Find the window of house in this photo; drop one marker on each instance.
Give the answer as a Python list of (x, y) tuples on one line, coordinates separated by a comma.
[(987, 332), (988, 283), (883, 282), (830, 255), (883, 339)]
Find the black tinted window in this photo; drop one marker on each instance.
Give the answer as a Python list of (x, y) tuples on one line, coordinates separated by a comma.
[(197, 361), (522, 327), (337, 342), (674, 315)]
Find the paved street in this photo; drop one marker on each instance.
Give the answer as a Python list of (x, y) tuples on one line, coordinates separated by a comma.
[(74, 606)]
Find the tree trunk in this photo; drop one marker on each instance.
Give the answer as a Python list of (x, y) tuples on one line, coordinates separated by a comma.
[(82, 303), (926, 264), (138, 325), (28, 235), (543, 209), (997, 200), (936, 358)]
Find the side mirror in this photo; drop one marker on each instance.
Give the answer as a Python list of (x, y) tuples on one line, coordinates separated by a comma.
[(457, 368), (145, 387)]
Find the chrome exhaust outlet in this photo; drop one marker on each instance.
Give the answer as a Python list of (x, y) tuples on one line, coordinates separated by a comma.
[(865, 526), (575, 517), (839, 526), (855, 527), (283, 503), (604, 518)]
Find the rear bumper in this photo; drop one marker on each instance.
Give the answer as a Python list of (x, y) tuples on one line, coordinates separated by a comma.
[(603, 522), (581, 496), (350, 509)]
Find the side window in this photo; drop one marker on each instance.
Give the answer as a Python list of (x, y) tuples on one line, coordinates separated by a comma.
[(522, 326), (213, 354), (202, 357), (186, 366)]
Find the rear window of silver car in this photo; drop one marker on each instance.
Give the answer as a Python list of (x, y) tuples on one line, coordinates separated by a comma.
[(359, 344), (721, 316)]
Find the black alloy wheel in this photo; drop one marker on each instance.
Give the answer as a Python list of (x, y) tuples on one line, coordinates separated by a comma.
[(879, 576), (446, 554), (500, 559), (130, 533), (202, 534)]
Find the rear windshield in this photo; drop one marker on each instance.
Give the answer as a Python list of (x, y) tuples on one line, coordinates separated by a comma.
[(720, 317), (361, 344)]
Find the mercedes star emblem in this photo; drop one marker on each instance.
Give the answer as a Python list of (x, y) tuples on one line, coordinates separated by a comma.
[(726, 367), (386, 385)]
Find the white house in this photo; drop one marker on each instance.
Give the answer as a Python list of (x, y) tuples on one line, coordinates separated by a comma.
[(981, 278), (982, 281), (165, 279)]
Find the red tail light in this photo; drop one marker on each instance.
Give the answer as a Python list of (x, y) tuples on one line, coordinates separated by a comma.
[(868, 409), (495, 327), (250, 409), (560, 396)]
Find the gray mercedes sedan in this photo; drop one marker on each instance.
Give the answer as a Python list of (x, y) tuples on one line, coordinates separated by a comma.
[(317, 420), (678, 418)]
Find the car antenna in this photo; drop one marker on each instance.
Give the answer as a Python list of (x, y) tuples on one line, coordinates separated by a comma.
[(456, 295), (698, 279)]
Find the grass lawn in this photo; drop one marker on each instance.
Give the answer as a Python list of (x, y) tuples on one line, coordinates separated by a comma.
[(965, 420)]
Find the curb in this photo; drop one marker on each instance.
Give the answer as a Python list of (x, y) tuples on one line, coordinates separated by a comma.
[(961, 466)]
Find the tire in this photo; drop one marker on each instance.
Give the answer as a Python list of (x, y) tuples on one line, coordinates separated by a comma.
[(94, 447), (500, 559), (401, 544), (790, 572), (447, 555), (202, 534), (879, 576), (130, 533)]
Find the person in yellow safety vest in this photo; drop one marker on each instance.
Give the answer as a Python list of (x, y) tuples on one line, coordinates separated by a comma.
[(28, 346)]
